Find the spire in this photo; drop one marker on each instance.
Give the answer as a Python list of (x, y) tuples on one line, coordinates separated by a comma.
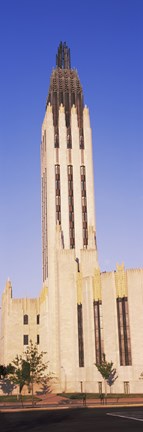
[(63, 56), (65, 88)]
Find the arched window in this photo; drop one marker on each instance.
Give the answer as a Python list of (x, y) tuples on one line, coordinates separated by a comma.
[(25, 319)]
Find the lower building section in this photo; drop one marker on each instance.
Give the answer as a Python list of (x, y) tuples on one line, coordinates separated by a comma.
[(91, 314)]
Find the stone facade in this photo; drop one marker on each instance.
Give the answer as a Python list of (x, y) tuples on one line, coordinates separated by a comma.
[(79, 288), (19, 318)]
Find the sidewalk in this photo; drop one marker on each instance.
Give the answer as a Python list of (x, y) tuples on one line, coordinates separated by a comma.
[(124, 401), (52, 400)]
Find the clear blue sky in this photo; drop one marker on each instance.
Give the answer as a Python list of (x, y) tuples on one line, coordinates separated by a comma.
[(106, 41)]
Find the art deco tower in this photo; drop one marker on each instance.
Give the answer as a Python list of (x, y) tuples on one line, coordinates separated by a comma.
[(81, 312), (68, 215)]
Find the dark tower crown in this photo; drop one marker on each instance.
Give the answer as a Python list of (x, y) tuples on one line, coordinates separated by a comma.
[(65, 89), (63, 60)]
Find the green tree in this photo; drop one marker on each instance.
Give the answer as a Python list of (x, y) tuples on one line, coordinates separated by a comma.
[(3, 371), (18, 372), (108, 372), (6, 385), (29, 369), (37, 367)]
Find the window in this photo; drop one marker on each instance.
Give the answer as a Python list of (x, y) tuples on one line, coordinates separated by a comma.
[(38, 339), (57, 194), (98, 330), (71, 206), (69, 138), (124, 331), (38, 319), (25, 340), (80, 335), (84, 206), (25, 319), (57, 169), (81, 141), (82, 170)]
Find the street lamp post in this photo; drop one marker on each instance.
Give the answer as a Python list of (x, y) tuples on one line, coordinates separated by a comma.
[(65, 379), (81, 386)]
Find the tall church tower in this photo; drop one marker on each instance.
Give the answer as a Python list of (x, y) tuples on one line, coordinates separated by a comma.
[(68, 218)]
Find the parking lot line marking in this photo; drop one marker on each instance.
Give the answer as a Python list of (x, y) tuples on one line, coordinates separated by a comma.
[(126, 417)]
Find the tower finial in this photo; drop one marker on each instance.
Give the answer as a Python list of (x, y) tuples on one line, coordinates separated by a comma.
[(63, 60)]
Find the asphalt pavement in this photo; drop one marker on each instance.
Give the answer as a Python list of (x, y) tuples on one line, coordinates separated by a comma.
[(75, 419)]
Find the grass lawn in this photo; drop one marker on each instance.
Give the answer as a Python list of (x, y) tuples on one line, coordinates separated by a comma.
[(13, 398), (96, 395)]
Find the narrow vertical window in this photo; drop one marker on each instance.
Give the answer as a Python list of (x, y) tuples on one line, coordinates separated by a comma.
[(97, 310), (25, 340), (69, 138), (58, 193), (55, 118), (120, 331), (124, 332), (71, 206), (38, 319), (84, 206), (80, 335), (38, 339), (25, 319)]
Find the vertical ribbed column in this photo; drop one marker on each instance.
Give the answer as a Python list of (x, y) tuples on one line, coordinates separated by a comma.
[(64, 177), (44, 225), (71, 206), (124, 332), (88, 323), (89, 168), (76, 182), (44, 205), (53, 340), (51, 186), (96, 309), (127, 338), (123, 316), (120, 332), (84, 206), (80, 320), (58, 194), (98, 319)]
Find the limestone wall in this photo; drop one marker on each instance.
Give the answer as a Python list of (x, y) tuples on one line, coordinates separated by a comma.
[(13, 328), (74, 288)]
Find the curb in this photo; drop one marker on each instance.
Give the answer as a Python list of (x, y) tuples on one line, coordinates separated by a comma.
[(55, 408)]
